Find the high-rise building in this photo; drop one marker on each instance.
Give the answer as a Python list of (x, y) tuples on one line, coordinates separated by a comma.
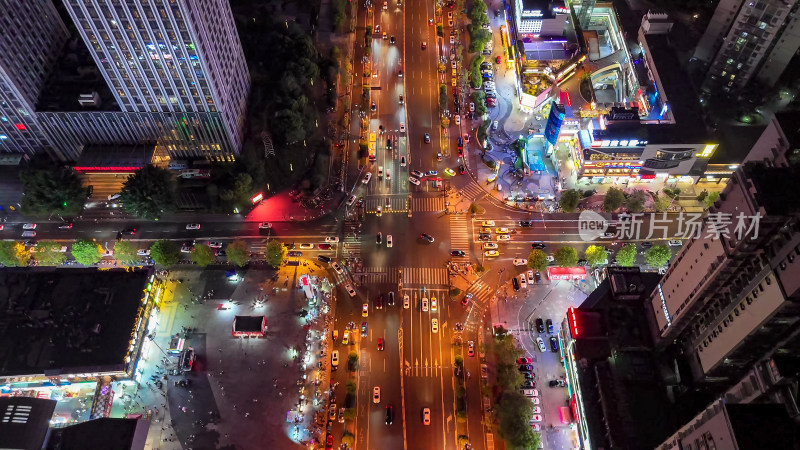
[(749, 39), (170, 72)]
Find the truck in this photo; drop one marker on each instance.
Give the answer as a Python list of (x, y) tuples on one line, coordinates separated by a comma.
[(372, 144)]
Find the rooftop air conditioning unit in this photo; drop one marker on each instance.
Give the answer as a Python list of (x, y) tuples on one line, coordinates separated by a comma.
[(89, 100)]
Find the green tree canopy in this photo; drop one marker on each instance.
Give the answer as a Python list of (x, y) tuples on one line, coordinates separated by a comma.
[(613, 199), (87, 252), (238, 253), (513, 412), (275, 253), (13, 254), (569, 200), (662, 203), (125, 252), (148, 193), (537, 260), (51, 188), (202, 255), (626, 256), (165, 253), (710, 199), (657, 255), (635, 202), (48, 253), (596, 255), (566, 257)]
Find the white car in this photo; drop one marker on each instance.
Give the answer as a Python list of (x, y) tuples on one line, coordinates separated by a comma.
[(424, 304), (434, 306), (472, 107), (413, 181), (453, 64), (351, 200), (389, 240), (402, 127), (675, 243), (406, 302), (519, 261), (458, 120), (452, 39), (28, 226), (338, 268), (435, 325), (332, 239), (490, 246), (264, 225), (376, 394), (306, 246), (402, 161), (537, 410), (367, 177), (214, 244), (385, 5), (143, 252), (349, 288), (550, 258), (522, 281), (487, 223), (503, 237), (540, 343), (536, 401), (193, 226), (536, 418), (530, 276)]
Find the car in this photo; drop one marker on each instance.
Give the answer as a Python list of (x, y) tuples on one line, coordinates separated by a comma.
[(193, 226), (215, 244), (524, 360), (551, 259), (647, 244), (65, 226), (376, 394), (380, 171), (484, 237), (528, 384), (675, 243), (380, 344), (28, 226), (466, 299), (143, 252), (332, 413), (540, 343), (389, 415), (222, 253), (432, 173), (365, 310), (294, 254), (427, 138), (416, 173), (558, 383), (461, 169), (434, 305), (499, 59), (324, 259), (522, 280), (426, 237), (391, 40), (515, 283), (503, 237), (525, 368), (406, 302), (490, 246), (448, 171), (491, 102), (530, 276), (519, 261), (379, 302), (349, 288), (341, 419), (373, 107), (434, 325), (402, 161), (471, 348), (457, 253), (364, 329), (187, 359), (502, 230), (388, 239), (426, 416), (413, 181), (377, 28), (335, 358), (379, 238), (332, 239), (535, 426), (337, 268), (391, 298), (452, 40), (402, 127), (495, 125), (346, 337), (438, 156), (267, 225), (466, 138), (554, 344), (458, 119), (453, 82), (400, 75), (350, 200), (306, 246), (424, 304), (487, 223), (491, 253), (549, 324), (367, 177), (453, 64), (525, 223), (187, 247), (536, 418), (539, 325), (424, 45), (472, 107), (538, 245), (386, 5)]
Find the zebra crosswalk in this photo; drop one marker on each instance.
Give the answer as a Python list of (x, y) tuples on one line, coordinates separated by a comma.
[(427, 204), (460, 234), (397, 204), (424, 276), (481, 292), (377, 275), (472, 192)]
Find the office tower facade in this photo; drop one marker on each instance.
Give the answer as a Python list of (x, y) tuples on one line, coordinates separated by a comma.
[(31, 41), (749, 39)]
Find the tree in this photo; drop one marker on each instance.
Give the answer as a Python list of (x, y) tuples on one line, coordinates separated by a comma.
[(50, 188), (165, 253), (13, 254), (566, 257), (479, 98), (661, 204), (475, 208), (125, 252), (658, 255), (635, 202), (513, 412), (569, 200), (596, 255), (443, 97), (275, 253), (87, 252), (48, 253), (626, 256), (613, 199), (710, 199), (148, 193), (537, 260), (238, 253), (348, 438), (202, 255), (352, 361)]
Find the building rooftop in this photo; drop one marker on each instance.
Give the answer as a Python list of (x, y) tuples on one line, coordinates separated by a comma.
[(66, 321), (544, 50), (251, 324), (118, 157), (790, 124), (538, 6), (105, 434), (759, 426), (25, 421), (776, 188), (735, 142)]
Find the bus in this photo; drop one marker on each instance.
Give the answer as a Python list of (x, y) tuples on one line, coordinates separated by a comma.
[(372, 144)]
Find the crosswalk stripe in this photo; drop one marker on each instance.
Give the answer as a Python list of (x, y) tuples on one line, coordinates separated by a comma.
[(427, 204), (460, 235), (473, 192), (425, 276)]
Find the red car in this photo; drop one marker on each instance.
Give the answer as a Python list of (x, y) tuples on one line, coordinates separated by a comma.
[(329, 442), (499, 59), (379, 302), (324, 246), (380, 343)]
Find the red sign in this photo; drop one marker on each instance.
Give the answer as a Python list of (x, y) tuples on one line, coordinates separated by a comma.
[(566, 273), (573, 322)]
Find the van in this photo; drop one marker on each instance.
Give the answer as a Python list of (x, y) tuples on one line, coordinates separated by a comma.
[(176, 344), (29, 234)]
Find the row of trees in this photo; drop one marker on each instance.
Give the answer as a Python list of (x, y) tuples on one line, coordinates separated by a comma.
[(633, 202), (478, 36), (595, 255)]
